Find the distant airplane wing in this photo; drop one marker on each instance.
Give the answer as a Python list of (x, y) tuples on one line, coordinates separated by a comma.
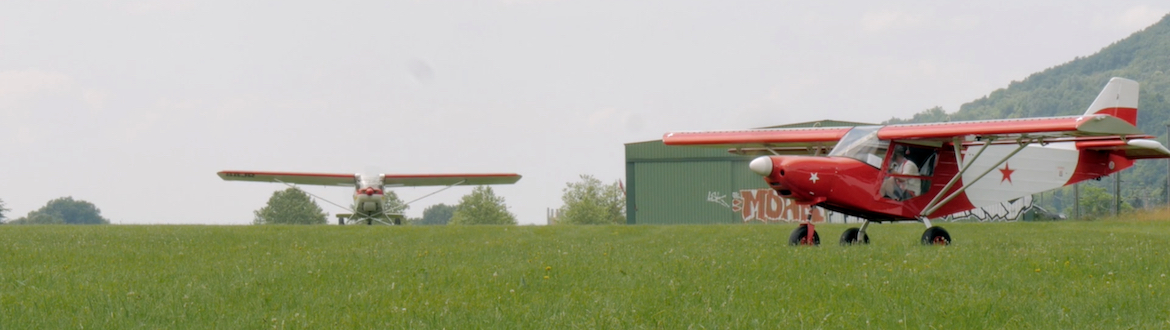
[(415, 180), (324, 179), (784, 140)]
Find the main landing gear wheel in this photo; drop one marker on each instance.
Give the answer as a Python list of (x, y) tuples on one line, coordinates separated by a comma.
[(849, 237), (800, 236), (936, 236)]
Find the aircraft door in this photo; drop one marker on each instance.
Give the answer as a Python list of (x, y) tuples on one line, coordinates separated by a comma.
[(908, 170)]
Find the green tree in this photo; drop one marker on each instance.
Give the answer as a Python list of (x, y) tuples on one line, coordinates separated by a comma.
[(589, 202), (2, 211), (438, 214), (290, 206), (393, 204), (1096, 202), (65, 210), (482, 207)]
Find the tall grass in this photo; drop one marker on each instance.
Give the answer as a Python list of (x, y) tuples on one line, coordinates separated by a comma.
[(1071, 274)]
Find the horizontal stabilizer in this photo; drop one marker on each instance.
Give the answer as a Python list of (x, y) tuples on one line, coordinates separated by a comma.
[(1133, 149), (1149, 148)]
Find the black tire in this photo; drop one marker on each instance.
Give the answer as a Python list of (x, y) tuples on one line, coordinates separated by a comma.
[(801, 232), (936, 236), (849, 237)]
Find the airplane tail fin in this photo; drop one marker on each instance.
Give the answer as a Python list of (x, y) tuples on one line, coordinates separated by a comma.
[(1118, 99)]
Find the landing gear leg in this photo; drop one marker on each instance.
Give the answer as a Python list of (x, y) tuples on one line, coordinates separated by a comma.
[(855, 235), (806, 234)]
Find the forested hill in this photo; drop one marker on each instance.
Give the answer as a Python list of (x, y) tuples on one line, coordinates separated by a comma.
[(1069, 88)]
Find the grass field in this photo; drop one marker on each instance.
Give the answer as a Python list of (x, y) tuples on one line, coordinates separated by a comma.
[(1070, 275)]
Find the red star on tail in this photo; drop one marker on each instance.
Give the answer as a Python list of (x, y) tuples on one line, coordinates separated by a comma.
[(1007, 173)]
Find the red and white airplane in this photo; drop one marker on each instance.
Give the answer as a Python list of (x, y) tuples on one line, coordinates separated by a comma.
[(369, 203), (915, 172)]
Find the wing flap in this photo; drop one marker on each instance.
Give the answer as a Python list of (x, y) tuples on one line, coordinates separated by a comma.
[(324, 179), (475, 179)]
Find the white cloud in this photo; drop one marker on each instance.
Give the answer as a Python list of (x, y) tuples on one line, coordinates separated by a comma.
[(1132, 19), (96, 100), (1140, 17), (963, 23), (23, 85), (524, 2), (158, 6), (887, 20), (602, 117)]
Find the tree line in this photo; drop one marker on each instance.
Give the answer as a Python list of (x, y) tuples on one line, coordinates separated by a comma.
[(586, 202), (61, 211)]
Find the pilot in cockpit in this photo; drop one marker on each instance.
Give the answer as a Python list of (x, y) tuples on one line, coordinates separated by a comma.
[(901, 188)]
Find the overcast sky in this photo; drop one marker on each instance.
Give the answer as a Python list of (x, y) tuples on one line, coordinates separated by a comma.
[(135, 105)]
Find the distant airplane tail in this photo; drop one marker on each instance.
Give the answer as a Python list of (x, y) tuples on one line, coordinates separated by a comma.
[(1118, 99)]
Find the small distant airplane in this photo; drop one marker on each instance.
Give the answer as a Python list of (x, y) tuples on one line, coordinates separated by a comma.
[(915, 172), (368, 199)]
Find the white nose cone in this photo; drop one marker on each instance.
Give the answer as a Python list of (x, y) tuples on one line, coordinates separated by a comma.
[(761, 165)]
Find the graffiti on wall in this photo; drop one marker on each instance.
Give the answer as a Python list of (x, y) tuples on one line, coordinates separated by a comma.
[(765, 206), (1006, 211)]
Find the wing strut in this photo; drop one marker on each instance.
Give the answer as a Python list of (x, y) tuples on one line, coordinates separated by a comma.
[(315, 196), (933, 206), (436, 192)]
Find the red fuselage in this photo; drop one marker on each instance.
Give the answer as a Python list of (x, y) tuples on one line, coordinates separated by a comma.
[(852, 187)]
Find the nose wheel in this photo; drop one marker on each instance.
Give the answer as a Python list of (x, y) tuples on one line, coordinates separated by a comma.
[(806, 234)]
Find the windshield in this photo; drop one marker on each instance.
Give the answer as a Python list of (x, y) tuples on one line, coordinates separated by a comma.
[(369, 180), (861, 143)]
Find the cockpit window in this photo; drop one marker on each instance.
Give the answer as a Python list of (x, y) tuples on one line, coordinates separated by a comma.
[(861, 143), (369, 180)]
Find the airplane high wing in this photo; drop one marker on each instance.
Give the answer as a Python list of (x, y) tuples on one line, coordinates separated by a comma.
[(921, 171), (391, 180), (448, 179), (369, 200), (290, 177)]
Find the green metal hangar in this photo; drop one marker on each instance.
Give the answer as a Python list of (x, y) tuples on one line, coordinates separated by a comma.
[(695, 185)]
